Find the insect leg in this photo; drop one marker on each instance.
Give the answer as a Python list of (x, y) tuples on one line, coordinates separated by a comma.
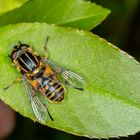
[(14, 82), (48, 112), (45, 47)]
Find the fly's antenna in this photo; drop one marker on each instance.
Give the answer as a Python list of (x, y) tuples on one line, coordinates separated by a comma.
[(9, 55), (20, 42)]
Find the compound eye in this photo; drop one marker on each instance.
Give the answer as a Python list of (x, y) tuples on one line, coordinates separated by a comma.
[(13, 55), (24, 47)]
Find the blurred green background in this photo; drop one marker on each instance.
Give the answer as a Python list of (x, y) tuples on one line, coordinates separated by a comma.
[(122, 28)]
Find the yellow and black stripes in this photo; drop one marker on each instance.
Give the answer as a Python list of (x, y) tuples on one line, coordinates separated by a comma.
[(54, 91), (27, 62)]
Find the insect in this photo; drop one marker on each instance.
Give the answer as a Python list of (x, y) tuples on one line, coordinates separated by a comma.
[(42, 76)]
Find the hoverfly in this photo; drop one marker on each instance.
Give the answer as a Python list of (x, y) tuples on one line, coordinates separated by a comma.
[(40, 75)]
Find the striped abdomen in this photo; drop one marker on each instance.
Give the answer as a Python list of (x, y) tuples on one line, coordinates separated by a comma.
[(27, 62), (53, 90)]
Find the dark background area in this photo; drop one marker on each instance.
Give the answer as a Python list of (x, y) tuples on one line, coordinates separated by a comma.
[(122, 28)]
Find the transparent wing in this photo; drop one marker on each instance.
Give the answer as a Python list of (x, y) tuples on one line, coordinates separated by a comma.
[(40, 110), (67, 77)]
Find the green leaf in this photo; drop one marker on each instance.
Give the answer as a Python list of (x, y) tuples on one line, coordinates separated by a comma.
[(110, 104), (75, 13), (7, 5)]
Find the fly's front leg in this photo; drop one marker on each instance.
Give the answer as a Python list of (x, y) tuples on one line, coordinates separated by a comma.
[(14, 82), (45, 48)]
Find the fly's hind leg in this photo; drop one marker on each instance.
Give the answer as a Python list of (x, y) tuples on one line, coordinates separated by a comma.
[(45, 48), (34, 94), (14, 82), (48, 112)]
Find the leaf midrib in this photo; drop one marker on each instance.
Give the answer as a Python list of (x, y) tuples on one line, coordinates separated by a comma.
[(78, 19), (116, 97)]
